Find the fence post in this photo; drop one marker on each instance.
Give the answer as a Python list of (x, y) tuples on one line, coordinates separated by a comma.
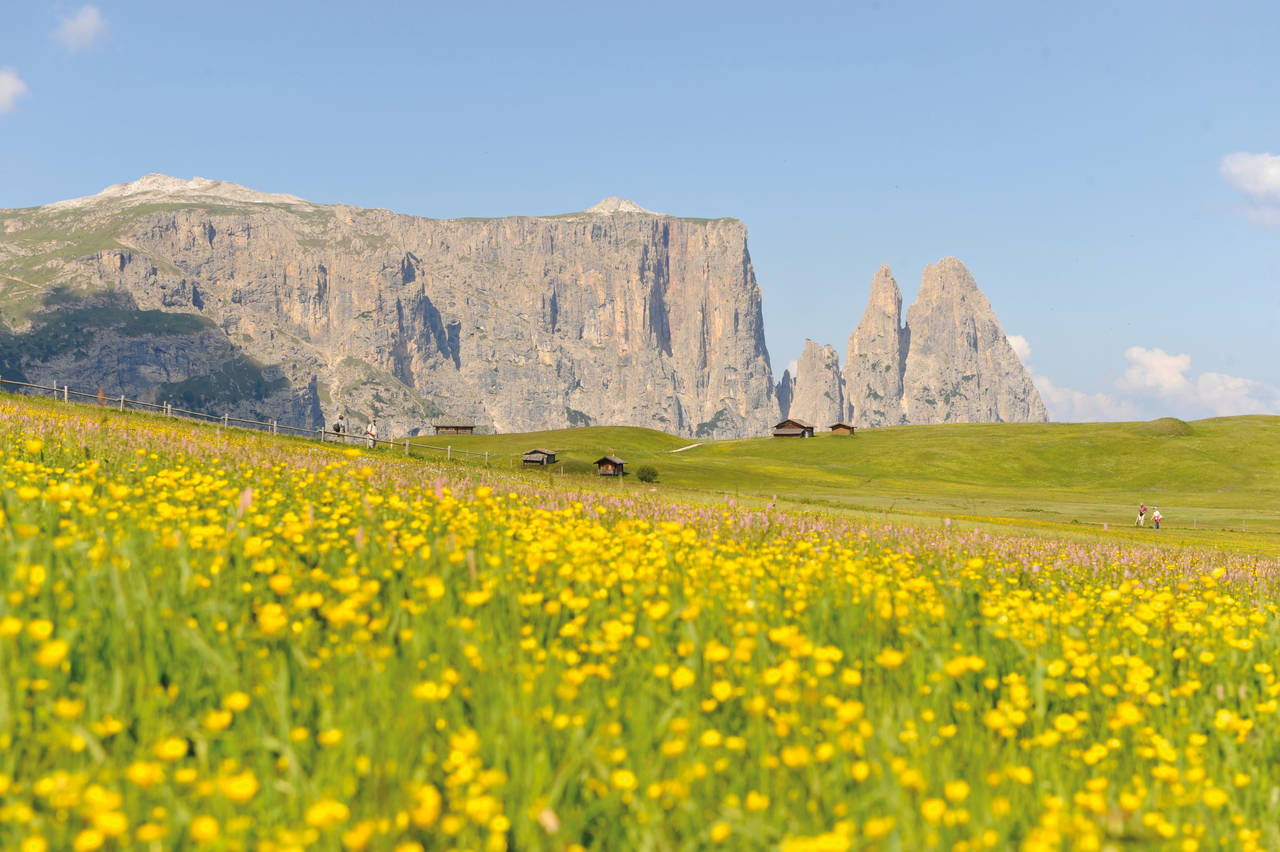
[(406, 446), (122, 402), (66, 393), (225, 419), (448, 452), (486, 458)]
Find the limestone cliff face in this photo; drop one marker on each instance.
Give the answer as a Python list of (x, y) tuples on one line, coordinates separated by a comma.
[(818, 396), (876, 357), (960, 367), (610, 316)]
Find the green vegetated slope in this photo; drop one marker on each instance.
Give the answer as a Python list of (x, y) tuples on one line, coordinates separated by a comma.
[(1208, 476), (1216, 481)]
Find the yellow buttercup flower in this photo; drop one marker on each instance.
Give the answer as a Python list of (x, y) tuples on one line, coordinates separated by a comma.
[(52, 653), (325, 813), (623, 779), (171, 749), (239, 788), (204, 829), (890, 658)]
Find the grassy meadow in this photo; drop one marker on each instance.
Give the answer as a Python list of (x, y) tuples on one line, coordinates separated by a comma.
[(220, 640), (1217, 482)]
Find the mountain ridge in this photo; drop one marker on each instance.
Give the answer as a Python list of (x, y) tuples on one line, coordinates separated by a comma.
[(620, 315), (614, 314)]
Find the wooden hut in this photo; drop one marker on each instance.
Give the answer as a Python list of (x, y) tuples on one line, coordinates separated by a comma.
[(454, 427), (841, 428), (793, 428), (609, 466), (537, 457)]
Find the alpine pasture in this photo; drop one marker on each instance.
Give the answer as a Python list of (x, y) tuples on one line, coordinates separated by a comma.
[(221, 640)]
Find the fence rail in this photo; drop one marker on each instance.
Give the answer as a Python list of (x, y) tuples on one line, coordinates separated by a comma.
[(120, 403)]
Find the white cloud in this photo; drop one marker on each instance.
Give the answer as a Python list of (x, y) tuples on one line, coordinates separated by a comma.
[(1155, 384), (1155, 371), (1227, 395), (1072, 406), (11, 88), (1066, 405), (1257, 175), (1021, 347), (1167, 378), (82, 29)]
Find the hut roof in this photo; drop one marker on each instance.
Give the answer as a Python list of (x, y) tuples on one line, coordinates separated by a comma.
[(610, 459), (840, 426), (540, 450), (792, 421)]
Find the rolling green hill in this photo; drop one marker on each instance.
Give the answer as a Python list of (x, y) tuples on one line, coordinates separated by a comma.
[(1216, 481)]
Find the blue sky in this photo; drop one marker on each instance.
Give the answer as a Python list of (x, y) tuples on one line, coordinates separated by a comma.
[(1104, 170)]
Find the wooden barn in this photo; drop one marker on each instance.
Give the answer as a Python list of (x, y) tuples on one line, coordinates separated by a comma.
[(538, 457), (454, 427), (609, 466), (793, 428), (841, 428)]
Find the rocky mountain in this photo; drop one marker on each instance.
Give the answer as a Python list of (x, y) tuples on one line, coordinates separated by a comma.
[(960, 367), (876, 357), (951, 363), (221, 298), (818, 396)]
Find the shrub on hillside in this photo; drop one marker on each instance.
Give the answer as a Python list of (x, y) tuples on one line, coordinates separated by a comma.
[(647, 473)]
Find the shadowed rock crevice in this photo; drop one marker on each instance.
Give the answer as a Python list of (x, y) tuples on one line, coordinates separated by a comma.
[(104, 340)]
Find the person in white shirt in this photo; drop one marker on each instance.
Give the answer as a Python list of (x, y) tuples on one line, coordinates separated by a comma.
[(371, 434)]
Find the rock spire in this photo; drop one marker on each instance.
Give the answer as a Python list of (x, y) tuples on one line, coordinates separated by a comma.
[(876, 357), (818, 397), (960, 367), (951, 363)]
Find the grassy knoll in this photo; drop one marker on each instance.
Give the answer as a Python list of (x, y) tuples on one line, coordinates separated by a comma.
[(1216, 481)]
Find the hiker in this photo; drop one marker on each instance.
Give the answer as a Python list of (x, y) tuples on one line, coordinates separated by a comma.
[(371, 434), (340, 426), (1156, 516), (1142, 515)]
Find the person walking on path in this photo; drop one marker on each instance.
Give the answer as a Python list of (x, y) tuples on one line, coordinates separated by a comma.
[(1156, 516), (371, 434), (1142, 515), (340, 426)]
